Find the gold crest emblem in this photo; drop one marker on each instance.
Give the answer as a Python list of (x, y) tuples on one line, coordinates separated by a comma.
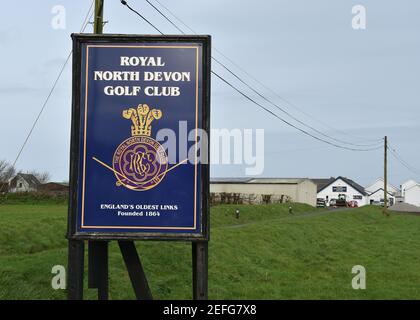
[(140, 162)]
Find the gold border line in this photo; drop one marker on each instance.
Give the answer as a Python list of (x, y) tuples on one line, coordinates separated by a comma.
[(196, 136), (84, 134), (83, 226)]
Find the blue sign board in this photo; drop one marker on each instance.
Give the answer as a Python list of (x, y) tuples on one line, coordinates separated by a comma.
[(138, 156)]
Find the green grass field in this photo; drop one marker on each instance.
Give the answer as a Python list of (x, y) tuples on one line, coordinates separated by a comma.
[(266, 254)]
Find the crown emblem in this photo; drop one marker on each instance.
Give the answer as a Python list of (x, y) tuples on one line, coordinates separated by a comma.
[(142, 117)]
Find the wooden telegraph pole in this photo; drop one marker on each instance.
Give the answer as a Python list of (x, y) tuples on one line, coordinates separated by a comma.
[(98, 250), (99, 17), (385, 174)]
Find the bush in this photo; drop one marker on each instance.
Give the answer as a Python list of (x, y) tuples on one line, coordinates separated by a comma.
[(34, 198)]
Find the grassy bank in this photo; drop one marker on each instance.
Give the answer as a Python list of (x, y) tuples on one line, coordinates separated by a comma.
[(265, 254)]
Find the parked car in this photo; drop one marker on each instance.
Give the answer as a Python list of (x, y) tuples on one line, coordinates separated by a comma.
[(353, 204), (320, 203)]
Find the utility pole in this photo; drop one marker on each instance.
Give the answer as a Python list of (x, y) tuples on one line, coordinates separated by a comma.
[(99, 16), (98, 250), (385, 174)]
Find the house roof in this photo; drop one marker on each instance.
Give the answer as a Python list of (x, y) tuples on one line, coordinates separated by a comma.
[(382, 180), (374, 182), (381, 189), (322, 183), (408, 184), (29, 178), (413, 186), (258, 180), (277, 180), (54, 186), (229, 180), (350, 182), (410, 181)]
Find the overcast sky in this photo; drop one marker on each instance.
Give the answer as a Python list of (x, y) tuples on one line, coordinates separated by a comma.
[(363, 82)]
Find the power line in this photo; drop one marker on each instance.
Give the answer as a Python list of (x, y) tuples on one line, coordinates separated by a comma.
[(378, 140), (258, 93), (402, 161), (393, 151), (87, 17), (262, 96), (288, 123), (84, 24), (179, 20), (163, 15), (290, 103), (289, 114), (255, 102), (123, 2)]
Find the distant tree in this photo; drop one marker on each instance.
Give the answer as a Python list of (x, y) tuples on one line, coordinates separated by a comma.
[(43, 177), (7, 171)]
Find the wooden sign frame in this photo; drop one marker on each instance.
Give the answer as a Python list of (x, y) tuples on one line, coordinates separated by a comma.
[(75, 163), (98, 241)]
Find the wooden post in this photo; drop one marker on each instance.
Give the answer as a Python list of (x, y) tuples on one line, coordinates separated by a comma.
[(99, 16), (75, 270), (135, 270), (98, 268), (200, 269), (98, 250)]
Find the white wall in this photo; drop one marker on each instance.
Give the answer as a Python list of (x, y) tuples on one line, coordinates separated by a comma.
[(260, 188), (379, 195), (412, 195), (379, 184), (304, 192), (407, 185), (351, 192), (24, 188)]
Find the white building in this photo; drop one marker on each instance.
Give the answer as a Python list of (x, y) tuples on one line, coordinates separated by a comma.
[(379, 184), (301, 190), (412, 194), (406, 185), (329, 189), (377, 197), (23, 182), (376, 192)]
